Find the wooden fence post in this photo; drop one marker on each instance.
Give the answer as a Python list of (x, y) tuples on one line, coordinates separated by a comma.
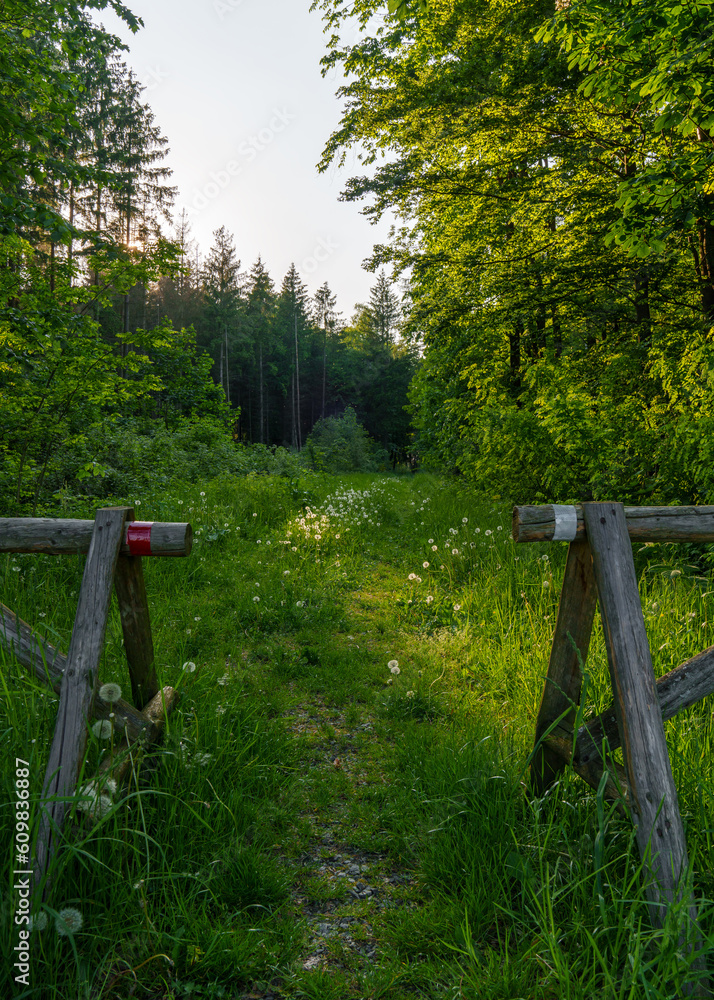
[(79, 683), (653, 796), (136, 625)]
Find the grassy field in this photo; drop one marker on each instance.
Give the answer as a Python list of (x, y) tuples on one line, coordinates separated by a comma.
[(339, 808)]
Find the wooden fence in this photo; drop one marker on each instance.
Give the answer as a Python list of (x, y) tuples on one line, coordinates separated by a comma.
[(114, 543)]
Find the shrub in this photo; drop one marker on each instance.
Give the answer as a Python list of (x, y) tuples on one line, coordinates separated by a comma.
[(341, 444)]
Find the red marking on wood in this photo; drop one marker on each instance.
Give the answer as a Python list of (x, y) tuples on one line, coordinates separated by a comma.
[(138, 538)]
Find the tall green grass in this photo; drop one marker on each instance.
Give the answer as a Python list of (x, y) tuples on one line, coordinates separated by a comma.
[(300, 593)]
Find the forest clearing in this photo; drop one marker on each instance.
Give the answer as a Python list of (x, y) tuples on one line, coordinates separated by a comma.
[(339, 806)]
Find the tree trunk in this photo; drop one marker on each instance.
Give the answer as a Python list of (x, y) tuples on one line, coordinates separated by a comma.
[(324, 369), (514, 347), (297, 387), (262, 412), (228, 378)]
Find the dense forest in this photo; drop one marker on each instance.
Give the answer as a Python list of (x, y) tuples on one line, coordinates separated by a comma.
[(550, 166), (550, 170), (122, 346)]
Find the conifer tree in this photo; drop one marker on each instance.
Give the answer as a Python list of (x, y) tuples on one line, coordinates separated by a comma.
[(222, 293)]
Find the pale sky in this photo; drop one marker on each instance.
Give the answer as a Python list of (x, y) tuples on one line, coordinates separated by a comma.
[(236, 88)]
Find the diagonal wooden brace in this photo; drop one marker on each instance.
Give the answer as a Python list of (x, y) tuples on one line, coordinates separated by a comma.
[(653, 796), (571, 640), (79, 685)]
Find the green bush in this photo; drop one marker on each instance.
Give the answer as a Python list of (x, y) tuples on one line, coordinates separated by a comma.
[(341, 444)]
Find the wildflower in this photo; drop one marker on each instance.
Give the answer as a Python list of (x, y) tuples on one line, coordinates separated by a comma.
[(412, 576), (394, 670), (499, 527), (259, 542), (137, 503), (431, 541), (441, 567), (434, 548), (454, 552), (464, 520), (202, 493), (655, 608), (545, 558), (189, 667), (68, 922), (392, 664), (256, 598), (197, 618), (255, 514), (457, 607), (102, 729), (546, 584), (220, 710), (38, 922), (43, 614), (258, 584), (286, 572), (110, 692), (180, 503), (16, 569), (429, 599), (425, 565), (337, 536), (488, 532), (299, 604), (293, 548), (477, 530), (410, 694)]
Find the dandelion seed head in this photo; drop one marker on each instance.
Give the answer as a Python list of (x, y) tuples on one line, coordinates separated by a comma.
[(110, 692), (392, 664), (429, 599), (425, 565), (38, 922), (68, 921), (189, 666), (102, 729)]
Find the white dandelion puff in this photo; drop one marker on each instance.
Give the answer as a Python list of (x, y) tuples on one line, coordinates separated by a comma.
[(102, 729), (110, 692), (68, 922), (189, 666)]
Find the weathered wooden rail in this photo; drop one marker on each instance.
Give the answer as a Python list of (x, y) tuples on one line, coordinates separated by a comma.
[(114, 543), (600, 569), (566, 523)]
